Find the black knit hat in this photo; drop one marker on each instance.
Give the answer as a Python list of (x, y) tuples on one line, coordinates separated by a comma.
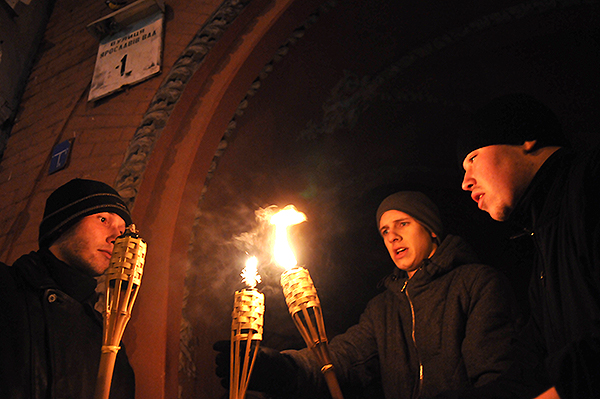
[(510, 119), (417, 205), (75, 200)]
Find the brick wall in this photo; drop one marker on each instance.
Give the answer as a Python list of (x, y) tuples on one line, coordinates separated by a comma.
[(54, 108)]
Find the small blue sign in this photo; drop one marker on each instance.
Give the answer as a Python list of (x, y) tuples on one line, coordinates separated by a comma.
[(60, 156)]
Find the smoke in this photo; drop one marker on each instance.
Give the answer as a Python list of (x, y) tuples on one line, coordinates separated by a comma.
[(258, 241)]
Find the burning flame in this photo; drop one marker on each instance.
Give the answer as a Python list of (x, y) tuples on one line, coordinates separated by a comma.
[(283, 253), (250, 274)]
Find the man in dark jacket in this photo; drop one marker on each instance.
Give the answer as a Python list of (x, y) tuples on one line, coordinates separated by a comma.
[(50, 333), (518, 169), (444, 321)]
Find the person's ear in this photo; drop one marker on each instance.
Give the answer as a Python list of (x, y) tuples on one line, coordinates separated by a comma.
[(529, 146)]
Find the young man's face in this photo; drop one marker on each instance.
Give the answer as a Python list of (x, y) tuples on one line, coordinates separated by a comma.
[(497, 176), (89, 244), (406, 240)]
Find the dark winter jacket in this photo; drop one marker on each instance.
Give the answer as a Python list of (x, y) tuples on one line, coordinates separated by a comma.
[(50, 334), (450, 326), (560, 211)]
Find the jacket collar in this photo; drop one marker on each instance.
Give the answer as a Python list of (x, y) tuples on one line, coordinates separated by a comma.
[(529, 208), (43, 270), (452, 252)]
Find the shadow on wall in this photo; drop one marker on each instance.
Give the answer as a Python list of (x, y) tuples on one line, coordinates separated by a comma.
[(22, 25)]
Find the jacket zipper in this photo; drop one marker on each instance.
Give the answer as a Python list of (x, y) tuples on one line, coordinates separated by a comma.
[(419, 387)]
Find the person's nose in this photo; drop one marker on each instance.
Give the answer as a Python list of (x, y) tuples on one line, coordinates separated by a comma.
[(468, 182), (115, 232), (394, 236)]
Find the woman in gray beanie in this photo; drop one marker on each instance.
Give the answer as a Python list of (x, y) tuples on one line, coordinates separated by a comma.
[(443, 322)]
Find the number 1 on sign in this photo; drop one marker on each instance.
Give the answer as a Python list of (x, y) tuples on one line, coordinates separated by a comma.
[(123, 62)]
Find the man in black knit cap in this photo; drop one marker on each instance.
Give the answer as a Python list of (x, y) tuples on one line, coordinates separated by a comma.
[(519, 168), (443, 322), (50, 333)]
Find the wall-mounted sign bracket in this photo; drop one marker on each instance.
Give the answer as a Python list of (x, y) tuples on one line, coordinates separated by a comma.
[(121, 19)]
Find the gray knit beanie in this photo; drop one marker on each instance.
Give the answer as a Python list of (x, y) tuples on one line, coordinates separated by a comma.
[(417, 205), (74, 200)]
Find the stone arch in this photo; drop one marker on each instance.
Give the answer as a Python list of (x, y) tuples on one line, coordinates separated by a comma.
[(169, 159)]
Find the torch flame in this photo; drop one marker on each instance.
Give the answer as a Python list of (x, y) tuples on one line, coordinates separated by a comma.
[(283, 253), (250, 274)]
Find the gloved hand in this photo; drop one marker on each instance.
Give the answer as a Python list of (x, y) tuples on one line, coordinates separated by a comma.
[(273, 373)]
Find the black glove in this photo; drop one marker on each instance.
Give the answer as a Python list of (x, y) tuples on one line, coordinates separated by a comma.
[(273, 372)]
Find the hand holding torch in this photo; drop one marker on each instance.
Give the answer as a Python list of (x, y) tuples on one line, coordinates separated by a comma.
[(305, 309), (123, 278)]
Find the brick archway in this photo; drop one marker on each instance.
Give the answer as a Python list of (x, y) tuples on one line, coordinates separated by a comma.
[(174, 174)]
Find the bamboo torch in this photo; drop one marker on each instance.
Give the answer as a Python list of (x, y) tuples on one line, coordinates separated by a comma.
[(301, 297), (123, 278), (246, 331)]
